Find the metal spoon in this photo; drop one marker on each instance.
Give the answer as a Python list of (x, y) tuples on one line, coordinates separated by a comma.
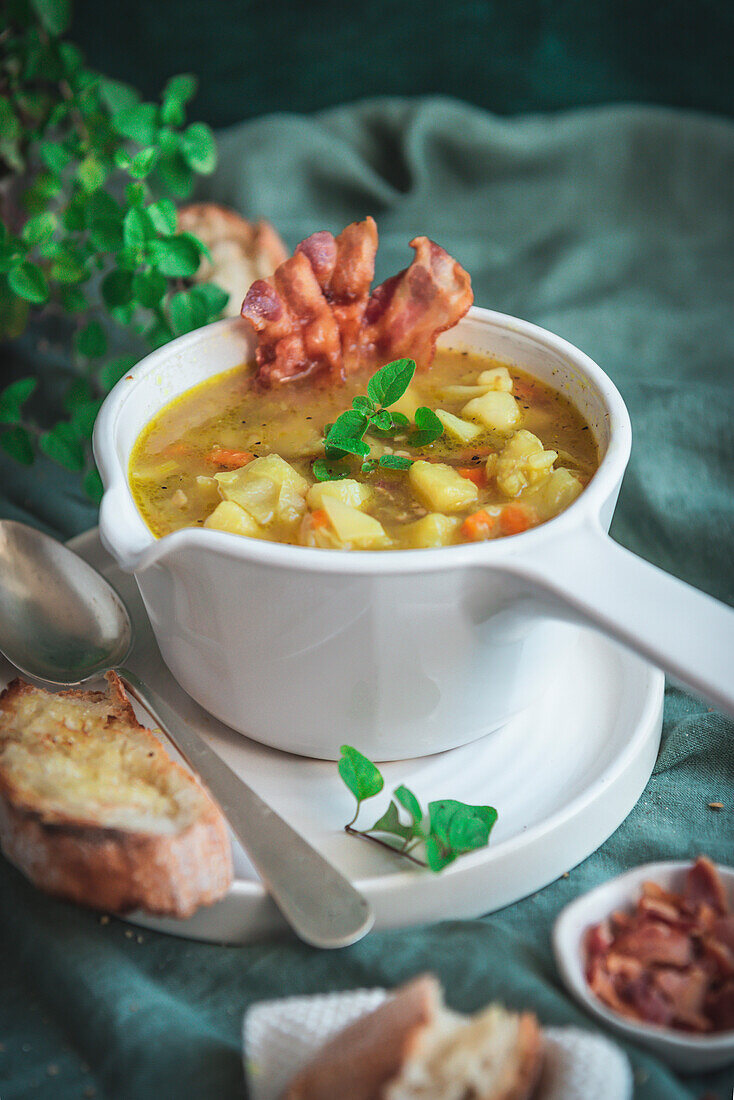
[(61, 622)]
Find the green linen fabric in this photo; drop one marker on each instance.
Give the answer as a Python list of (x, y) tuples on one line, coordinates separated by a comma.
[(613, 227)]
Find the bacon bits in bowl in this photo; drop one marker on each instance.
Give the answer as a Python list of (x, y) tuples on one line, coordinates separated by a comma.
[(651, 953)]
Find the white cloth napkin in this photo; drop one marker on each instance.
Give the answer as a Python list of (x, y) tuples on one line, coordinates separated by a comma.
[(281, 1036)]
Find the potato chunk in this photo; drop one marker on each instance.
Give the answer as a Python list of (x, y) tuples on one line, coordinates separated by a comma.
[(496, 378), (440, 488), (348, 491), (268, 488), (430, 531), (458, 428), (496, 409), (521, 462), (354, 529), (406, 404), (556, 492), (228, 516)]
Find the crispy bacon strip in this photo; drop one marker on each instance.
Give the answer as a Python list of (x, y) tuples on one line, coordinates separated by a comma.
[(671, 961), (406, 314), (297, 332), (316, 313)]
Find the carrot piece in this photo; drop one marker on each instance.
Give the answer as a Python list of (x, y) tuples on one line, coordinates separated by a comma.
[(319, 518), (231, 460), (478, 526), (477, 474), (177, 449), (515, 518)]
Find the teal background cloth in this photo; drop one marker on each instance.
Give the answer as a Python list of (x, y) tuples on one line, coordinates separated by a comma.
[(613, 227)]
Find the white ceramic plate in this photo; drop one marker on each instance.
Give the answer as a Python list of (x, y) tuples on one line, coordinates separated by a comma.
[(563, 776), (689, 1053)]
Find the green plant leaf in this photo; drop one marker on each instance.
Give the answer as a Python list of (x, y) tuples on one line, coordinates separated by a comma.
[(55, 15), (73, 300), (175, 175), (67, 268), (29, 282), (458, 827), (135, 194), (363, 405), (91, 341), (163, 216), (407, 799), (359, 774), (117, 96), (112, 371), (36, 197), (187, 312), (137, 228), (39, 228), (139, 123), (345, 434), (16, 441), (329, 471), (62, 445), (390, 382), (13, 397), (430, 428), (390, 823), (117, 288), (93, 485), (143, 163), (54, 156), (198, 148), (83, 417), (181, 87), (106, 235), (213, 297), (175, 257), (149, 287), (91, 173), (395, 462)]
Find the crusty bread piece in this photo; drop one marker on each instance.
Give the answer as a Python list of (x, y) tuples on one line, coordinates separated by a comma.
[(413, 1048), (241, 251), (93, 809)]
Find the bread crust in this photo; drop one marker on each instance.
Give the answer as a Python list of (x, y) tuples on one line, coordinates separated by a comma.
[(368, 1055), (116, 869)]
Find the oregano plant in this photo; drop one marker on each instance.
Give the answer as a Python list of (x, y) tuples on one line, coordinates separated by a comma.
[(89, 178)]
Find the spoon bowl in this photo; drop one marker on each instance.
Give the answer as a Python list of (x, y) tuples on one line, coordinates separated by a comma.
[(62, 623)]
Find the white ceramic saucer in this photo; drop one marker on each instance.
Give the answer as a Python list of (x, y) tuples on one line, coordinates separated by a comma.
[(562, 776)]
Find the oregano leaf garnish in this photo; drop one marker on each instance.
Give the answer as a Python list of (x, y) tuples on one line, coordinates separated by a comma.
[(434, 839)]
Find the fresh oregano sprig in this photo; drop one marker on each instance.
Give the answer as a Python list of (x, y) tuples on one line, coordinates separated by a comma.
[(432, 839), (370, 414), (88, 228)]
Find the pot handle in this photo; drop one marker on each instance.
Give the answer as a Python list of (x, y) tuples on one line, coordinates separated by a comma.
[(591, 579)]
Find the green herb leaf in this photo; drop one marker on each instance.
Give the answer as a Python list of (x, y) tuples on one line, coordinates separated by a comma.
[(176, 257), (390, 823), (163, 216), (135, 194), (137, 228), (13, 397), (91, 341), (395, 462), (359, 774), (55, 15), (117, 96), (369, 466), (345, 434), (62, 445), (407, 799), (175, 174), (430, 427), (149, 287), (139, 123), (54, 156), (363, 405), (117, 288), (199, 149), (187, 312), (91, 173), (391, 381), (382, 420), (213, 297), (39, 228), (28, 281), (143, 163), (456, 828), (329, 471), (17, 443)]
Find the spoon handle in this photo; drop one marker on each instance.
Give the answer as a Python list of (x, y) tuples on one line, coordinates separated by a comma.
[(319, 903)]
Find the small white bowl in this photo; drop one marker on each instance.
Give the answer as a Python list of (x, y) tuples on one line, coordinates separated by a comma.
[(688, 1053)]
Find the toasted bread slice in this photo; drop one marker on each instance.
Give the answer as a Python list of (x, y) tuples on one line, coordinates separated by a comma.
[(93, 809), (413, 1048), (241, 251)]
